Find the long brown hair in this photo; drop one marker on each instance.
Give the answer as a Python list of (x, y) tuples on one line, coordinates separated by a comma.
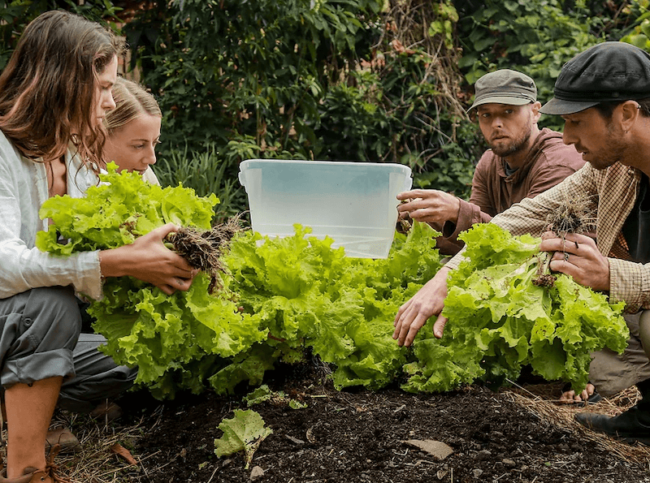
[(48, 89), (131, 100)]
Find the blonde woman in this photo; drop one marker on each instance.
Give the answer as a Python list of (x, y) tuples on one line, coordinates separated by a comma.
[(133, 129)]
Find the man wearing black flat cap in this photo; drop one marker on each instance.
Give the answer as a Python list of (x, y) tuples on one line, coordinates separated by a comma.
[(603, 94), (523, 161)]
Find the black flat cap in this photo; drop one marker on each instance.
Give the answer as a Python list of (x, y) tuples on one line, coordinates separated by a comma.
[(611, 71)]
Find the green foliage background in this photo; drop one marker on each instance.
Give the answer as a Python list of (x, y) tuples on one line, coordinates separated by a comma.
[(354, 80)]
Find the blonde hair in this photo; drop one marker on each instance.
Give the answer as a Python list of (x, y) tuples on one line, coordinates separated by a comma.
[(47, 89), (131, 101)]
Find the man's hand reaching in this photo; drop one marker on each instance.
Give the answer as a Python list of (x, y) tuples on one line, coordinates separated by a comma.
[(429, 206), (429, 301)]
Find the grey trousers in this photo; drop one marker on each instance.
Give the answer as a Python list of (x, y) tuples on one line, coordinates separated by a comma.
[(40, 338), (611, 373)]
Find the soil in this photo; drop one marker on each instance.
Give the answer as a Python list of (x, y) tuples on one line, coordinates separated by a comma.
[(359, 437)]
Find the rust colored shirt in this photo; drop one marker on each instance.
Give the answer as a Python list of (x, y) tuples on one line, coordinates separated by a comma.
[(548, 163)]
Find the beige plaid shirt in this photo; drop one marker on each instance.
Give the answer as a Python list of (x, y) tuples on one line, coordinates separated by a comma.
[(612, 192)]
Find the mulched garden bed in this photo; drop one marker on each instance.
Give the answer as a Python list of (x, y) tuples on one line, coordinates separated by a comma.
[(359, 436)]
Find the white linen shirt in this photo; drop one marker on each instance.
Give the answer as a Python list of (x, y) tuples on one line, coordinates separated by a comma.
[(23, 189)]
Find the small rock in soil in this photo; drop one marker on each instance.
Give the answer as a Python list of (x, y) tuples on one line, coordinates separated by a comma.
[(509, 462), (477, 473), (256, 473), (437, 449), (484, 454)]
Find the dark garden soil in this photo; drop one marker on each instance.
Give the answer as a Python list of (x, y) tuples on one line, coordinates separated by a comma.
[(359, 437)]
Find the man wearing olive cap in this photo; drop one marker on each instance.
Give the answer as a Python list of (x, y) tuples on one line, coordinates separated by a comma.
[(524, 161), (603, 94)]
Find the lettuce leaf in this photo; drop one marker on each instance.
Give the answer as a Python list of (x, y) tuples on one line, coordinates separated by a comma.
[(245, 431)]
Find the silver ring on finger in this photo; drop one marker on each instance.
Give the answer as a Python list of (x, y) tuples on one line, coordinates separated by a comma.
[(566, 256)]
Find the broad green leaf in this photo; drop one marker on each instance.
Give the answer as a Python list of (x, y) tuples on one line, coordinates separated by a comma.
[(245, 431)]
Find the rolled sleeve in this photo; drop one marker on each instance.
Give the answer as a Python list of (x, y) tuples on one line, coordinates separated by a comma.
[(468, 215), (629, 283), (24, 269), (455, 262)]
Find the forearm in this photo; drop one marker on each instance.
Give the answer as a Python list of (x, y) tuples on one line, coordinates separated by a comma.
[(455, 262), (23, 269), (114, 263)]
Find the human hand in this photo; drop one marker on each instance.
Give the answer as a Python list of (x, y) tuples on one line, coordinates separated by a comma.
[(148, 259), (578, 256), (429, 206), (428, 302)]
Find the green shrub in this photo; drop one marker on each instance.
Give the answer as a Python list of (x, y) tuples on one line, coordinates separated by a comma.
[(206, 172), (536, 37), (17, 14), (328, 80)]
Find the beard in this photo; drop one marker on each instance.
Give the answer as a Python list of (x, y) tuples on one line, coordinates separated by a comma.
[(516, 145), (613, 151)]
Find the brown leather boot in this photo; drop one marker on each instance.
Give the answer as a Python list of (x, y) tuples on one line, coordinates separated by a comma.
[(31, 475), (34, 475)]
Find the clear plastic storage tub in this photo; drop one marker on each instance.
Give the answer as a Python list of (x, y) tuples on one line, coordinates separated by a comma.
[(353, 203)]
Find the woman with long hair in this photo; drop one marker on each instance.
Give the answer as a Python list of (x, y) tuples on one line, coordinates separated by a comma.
[(54, 94)]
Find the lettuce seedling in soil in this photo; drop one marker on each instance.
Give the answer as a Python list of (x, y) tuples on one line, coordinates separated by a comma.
[(245, 431)]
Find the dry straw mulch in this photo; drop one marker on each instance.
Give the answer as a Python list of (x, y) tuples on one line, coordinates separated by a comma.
[(95, 462), (543, 401)]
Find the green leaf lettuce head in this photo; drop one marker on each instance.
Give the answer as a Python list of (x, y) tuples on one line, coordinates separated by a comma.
[(500, 321), (245, 431), (309, 295), (145, 327)]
